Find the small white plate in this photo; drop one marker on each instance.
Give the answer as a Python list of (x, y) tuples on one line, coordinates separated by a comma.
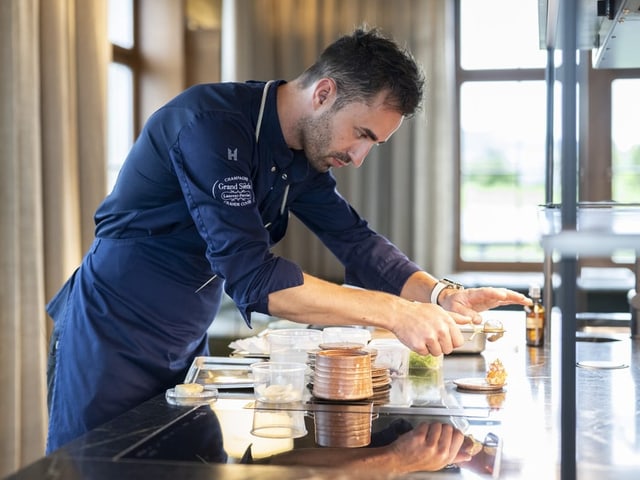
[(477, 384), (601, 364)]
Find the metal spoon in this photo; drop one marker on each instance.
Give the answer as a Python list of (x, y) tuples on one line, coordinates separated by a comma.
[(494, 328), (495, 336)]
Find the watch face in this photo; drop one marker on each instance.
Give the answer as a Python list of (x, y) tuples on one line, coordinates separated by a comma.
[(451, 284)]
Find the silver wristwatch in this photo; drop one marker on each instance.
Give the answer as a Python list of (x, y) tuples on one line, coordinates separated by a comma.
[(441, 285)]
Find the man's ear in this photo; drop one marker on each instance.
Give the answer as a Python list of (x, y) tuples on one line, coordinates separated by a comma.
[(324, 93)]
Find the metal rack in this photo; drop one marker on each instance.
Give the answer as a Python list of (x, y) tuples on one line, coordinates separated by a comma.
[(565, 238)]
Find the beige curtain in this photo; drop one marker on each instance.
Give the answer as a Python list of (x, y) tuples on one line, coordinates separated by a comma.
[(54, 55), (405, 188)]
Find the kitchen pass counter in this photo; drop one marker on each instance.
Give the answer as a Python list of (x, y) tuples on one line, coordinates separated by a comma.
[(518, 424)]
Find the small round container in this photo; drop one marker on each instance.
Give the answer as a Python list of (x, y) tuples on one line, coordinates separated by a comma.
[(207, 396), (279, 382)]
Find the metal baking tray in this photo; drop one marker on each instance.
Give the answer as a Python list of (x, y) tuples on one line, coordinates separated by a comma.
[(221, 372)]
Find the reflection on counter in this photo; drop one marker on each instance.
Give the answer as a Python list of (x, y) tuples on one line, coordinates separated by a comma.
[(400, 446), (196, 437)]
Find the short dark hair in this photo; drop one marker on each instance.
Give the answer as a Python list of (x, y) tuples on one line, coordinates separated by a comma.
[(365, 63)]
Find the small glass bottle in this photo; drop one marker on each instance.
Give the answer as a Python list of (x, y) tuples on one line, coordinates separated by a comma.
[(535, 318)]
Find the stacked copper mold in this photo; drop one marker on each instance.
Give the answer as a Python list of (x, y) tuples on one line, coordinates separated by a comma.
[(342, 375), (343, 425)]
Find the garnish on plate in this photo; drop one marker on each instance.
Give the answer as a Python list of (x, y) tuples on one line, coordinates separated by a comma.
[(496, 374)]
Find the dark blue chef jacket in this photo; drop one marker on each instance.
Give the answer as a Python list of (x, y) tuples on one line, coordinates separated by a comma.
[(200, 194)]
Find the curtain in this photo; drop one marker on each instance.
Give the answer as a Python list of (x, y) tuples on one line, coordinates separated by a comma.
[(405, 187), (54, 55)]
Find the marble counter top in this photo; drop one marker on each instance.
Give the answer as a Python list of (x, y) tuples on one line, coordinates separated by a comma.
[(158, 440)]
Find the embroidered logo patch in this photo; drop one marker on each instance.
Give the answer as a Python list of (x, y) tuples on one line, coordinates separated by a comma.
[(234, 191)]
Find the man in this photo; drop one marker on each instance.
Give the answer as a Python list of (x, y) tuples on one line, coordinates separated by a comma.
[(203, 196)]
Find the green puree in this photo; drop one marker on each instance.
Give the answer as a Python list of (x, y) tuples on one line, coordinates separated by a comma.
[(423, 361)]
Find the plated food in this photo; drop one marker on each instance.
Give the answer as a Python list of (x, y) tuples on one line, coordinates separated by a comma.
[(494, 380)]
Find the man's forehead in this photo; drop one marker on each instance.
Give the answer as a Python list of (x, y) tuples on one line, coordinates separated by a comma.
[(381, 125)]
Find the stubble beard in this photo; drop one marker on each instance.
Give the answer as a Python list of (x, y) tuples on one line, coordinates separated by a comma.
[(316, 135)]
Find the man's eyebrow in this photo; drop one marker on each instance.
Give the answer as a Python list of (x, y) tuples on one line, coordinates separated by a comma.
[(371, 135)]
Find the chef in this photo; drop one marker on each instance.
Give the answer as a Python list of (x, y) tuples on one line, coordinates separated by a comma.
[(204, 194)]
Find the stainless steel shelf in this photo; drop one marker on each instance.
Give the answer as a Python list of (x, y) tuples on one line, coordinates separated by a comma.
[(590, 243)]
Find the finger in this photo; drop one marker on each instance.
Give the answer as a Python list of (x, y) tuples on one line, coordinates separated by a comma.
[(459, 318), (464, 316), (433, 434), (457, 339), (446, 341), (451, 442), (460, 455), (446, 448), (446, 435), (434, 347)]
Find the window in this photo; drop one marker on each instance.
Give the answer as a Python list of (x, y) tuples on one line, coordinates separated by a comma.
[(121, 85), (501, 169), (625, 161), (502, 125)]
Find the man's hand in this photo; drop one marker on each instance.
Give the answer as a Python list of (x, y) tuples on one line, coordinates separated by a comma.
[(430, 447), (426, 328), (471, 301)]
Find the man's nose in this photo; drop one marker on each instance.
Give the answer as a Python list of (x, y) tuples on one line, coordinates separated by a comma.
[(359, 154)]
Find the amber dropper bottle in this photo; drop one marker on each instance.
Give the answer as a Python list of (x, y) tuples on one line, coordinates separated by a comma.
[(535, 318)]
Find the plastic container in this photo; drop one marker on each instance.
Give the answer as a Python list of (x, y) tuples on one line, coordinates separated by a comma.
[(204, 397), (293, 344), (392, 354), (419, 362), (356, 335), (278, 382), (275, 421)]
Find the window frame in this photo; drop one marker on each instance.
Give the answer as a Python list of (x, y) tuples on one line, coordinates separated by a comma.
[(131, 58)]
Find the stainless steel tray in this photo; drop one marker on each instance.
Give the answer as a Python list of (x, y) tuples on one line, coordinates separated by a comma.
[(476, 344), (221, 372)]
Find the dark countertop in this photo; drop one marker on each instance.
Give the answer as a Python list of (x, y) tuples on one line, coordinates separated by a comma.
[(158, 440)]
